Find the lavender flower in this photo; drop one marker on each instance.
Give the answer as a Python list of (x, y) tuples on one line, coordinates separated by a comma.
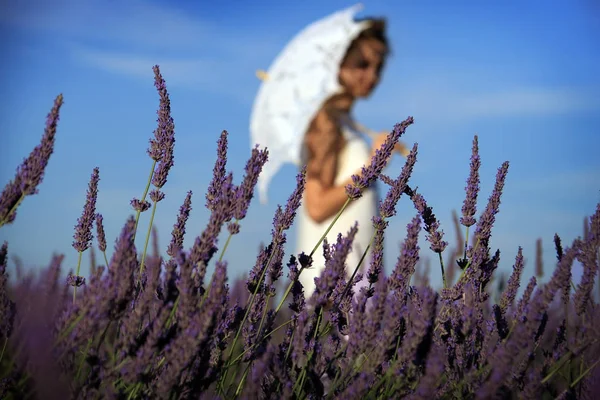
[(539, 261), (334, 268), (156, 195), (470, 204), (378, 162), (7, 306), (509, 294), (178, 233), (246, 190), (387, 208), (376, 266), (31, 172), (83, 229), (524, 301), (162, 146), (483, 232), (432, 226), (100, 235), (588, 256), (140, 205), (76, 281), (558, 246), (409, 256), (214, 189)]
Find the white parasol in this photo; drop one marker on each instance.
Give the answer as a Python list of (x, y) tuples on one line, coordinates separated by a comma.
[(302, 77)]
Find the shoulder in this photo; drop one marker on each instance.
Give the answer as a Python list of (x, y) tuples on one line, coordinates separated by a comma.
[(323, 132)]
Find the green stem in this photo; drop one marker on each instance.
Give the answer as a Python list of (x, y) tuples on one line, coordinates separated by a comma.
[(289, 288), (137, 215), (147, 240), (259, 340), (3, 348), (443, 273), (249, 306), (83, 356), (226, 245), (76, 275), (105, 259), (587, 371)]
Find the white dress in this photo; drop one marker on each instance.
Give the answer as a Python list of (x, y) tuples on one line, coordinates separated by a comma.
[(354, 155)]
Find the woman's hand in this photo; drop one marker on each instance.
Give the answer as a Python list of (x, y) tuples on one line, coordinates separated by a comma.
[(380, 138)]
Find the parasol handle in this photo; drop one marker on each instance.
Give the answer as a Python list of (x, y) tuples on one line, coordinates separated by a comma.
[(264, 76)]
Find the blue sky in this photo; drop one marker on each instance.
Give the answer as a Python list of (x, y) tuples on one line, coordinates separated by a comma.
[(521, 75)]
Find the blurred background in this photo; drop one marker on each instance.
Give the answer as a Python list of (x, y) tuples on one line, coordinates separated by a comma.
[(521, 75)]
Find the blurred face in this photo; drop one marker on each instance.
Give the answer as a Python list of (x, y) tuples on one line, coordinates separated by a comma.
[(360, 71)]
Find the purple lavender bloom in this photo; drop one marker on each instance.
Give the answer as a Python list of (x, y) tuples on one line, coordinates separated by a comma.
[(432, 226), (245, 191), (334, 268), (83, 229), (376, 266), (526, 333), (31, 172), (428, 384), (509, 294), (558, 246), (156, 195), (205, 245), (100, 235), (7, 306), (419, 334), (178, 233), (164, 134), (539, 261), (378, 162), (139, 205), (408, 258), (387, 208), (298, 301), (75, 280), (219, 172), (589, 259), (282, 221), (470, 204), (524, 301), (285, 220), (483, 232)]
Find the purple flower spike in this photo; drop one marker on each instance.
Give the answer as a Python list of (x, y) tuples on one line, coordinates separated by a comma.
[(31, 172), (378, 162), (432, 226), (161, 147), (509, 294), (219, 172), (589, 259), (83, 229), (139, 205), (388, 206), (483, 232), (407, 261), (470, 204), (100, 232), (178, 233), (245, 191), (75, 280)]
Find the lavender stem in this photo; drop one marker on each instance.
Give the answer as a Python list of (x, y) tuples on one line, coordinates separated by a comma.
[(77, 274), (147, 238), (137, 215)]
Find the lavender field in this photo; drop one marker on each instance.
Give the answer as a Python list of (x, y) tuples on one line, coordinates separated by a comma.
[(142, 326)]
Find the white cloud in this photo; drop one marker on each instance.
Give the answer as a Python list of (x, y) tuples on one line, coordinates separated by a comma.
[(448, 102), (130, 37)]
